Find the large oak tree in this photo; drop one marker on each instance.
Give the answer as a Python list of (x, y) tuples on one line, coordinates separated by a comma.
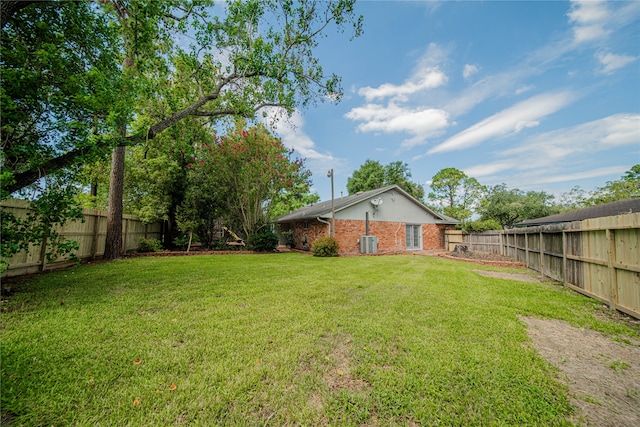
[(252, 55)]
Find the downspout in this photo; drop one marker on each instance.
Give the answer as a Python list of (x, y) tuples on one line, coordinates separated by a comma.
[(399, 226), (325, 222)]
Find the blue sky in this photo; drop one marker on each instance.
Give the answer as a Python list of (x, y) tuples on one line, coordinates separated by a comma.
[(540, 95)]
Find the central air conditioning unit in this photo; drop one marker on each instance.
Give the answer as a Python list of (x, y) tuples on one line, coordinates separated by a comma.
[(368, 245)]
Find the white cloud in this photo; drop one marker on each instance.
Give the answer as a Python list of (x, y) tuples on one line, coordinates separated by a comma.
[(426, 75), (611, 62), (469, 70), (430, 78), (563, 155), (592, 173), (290, 131), (597, 135), (488, 169), (523, 89), (589, 18), (422, 123), (512, 120)]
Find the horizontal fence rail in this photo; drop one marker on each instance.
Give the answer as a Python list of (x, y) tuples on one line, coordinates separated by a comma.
[(597, 257), (90, 235)]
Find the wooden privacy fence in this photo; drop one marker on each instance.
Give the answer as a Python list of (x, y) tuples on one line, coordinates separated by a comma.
[(487, 242), (90, 235), (598, 257)]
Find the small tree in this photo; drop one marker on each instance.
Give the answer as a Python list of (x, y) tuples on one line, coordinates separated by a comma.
[(455, 194), (510, 206), (53, 209), (243, 174), (372, 174)]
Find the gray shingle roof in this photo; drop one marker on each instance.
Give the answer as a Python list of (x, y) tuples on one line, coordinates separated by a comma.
[(607, 209), (323, 209)]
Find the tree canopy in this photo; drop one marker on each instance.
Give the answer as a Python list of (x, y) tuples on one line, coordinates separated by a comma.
[(256, 54), (455, 194), (81, 78), (508, 207), (372, 175)]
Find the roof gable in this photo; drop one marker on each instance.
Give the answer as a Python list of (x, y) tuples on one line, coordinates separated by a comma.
[(323, 209)]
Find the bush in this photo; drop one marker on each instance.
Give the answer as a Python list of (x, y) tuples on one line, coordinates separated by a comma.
[(182, 242), (149, 245), (289, 238), (219, 245), (480, 226), (325, 247), (266, 241)]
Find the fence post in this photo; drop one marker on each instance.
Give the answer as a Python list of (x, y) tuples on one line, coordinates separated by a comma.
[(96, 229), (526, 248), (564, 257), (613, 277), (43, 251), (124, 235), (542, 269)]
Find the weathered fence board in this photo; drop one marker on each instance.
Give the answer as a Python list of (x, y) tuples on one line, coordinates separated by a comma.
[(598, 257), (90, 235)]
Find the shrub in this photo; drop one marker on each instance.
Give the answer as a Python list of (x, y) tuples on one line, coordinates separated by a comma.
[(219, 245), (289, 238), (182, 242), (480, 226), (325, 247), (149, 245), (265, 241)]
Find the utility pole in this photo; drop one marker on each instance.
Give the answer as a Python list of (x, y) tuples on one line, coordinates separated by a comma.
[(333, 212)]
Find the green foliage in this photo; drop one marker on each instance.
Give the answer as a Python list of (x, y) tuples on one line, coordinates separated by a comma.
[(242, 174), (627, 187), (508, 207), (372, 175), (368, 177), (220, 245), (455, 194), (481, 225), (149, 245), (182, 242), (41, 223), (325, 247), (59, 73), (290, 238), (264, 241), (296, 197)]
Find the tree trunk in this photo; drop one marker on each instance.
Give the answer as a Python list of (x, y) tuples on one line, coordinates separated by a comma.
[(113, 243), (94, 194)]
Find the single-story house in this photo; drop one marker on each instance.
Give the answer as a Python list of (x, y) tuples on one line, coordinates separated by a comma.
[(620, 207), (377, 221)]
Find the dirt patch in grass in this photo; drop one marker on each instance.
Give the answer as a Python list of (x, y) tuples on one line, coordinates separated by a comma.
[(483, 258), (338, 375), (603, 375), (510, 276)]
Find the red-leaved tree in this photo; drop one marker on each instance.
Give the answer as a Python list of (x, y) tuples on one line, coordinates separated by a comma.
[(239, 176)]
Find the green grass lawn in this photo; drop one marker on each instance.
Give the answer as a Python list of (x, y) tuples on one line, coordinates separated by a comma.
[(282, 339)]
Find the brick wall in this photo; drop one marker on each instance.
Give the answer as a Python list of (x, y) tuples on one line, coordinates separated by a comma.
[(301, 234), (391, 235)]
